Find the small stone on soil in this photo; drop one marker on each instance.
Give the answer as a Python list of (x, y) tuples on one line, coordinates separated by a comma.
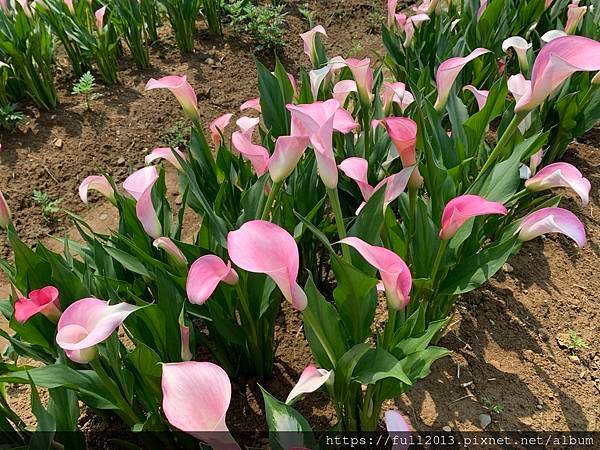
[(121, 161), (103, 216), (507, 268), (58, 143), (209, 61), (484, 420), (447, 429)]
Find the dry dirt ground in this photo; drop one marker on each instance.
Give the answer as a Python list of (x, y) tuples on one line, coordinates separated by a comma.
[(509, 339)]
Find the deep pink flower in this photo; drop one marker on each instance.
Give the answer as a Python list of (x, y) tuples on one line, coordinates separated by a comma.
[(44, 300), (403, 133), (395, 274), (263, 247), (552, 220), (462, 208)]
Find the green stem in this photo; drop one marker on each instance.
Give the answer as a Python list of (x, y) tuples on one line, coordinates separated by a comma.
[(275, 188), (412, 208), (255, 344), (125, 409), (503, 142), (438, 260), (334, 199), (390, 327)]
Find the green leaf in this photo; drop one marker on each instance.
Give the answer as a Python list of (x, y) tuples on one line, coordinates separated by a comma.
[(128, 261), (418, 365), (378, 364), (46, 424), (287, 427), (272, 103), (344, 370)]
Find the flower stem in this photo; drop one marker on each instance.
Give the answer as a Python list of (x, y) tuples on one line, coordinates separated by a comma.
[(254, 343), (503, 142), (438, 260), (334, 199), (275, 188)]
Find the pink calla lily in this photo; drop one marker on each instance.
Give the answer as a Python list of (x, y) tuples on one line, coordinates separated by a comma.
[(263, 247), (310, 380), (217, 128), (169, 247), (462, 208), (25, 6), (285, 157), (356, 169), (182, 90), (401, 20), (99, 15), (136, 183), (247, 125), (316, 78), (549, 36), (410, 26), (343, 121), (4, 5), (396, 424), (556, 62), (482, 7), (448, 71), (403, 133), (44, 301), (316, 120), (575, 14), (395, 93), (309, 39), (256, 154), (97, 183), (186, 385), (520, 47), (560, 175), (391, 12), (5, 216), (70, 6), (184, 331), (147, 215), (480, 95), (167, 154), (342, 89), (205, 275), (88, 322), (395, 274), (363, 76), (253, 103), (536, 160), (552, 220)]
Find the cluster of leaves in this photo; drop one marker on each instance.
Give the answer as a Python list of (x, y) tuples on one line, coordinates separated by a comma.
[(85, 87), (10, 118), (48, 206), (263, 24)]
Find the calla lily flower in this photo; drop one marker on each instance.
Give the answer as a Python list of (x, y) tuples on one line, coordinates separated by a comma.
[(165, 153), (205, 275), (403, 133), (536, 160), (391, 12), (247, 125), (263, 247), (97, 183), (44, 300), (395, 93), (552, 220), (396, 423), (363, 76), (186, 385), (169, 247), (481, 96), (147, 215), (309, 39), (482, 7), (256, 154), (99, 15), (316, 120), (556, 62), (560, 175), (287, 153), (5, 216), (70, 6), (253, 103), (316, 78), (519, 87), (86, 323), (25, 6), (410, 26), (4, 5), (549, 36), (217, 128), (356, 169), (342, 89), (395, 274), (574, 15), (447, 73), (462, 208), (343, 121), (310, 380), (401, 20), (136, 183), (182, 90), (520, 47), (184, 330)]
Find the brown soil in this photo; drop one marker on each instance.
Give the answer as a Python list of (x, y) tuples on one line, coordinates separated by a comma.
[(508, 337)]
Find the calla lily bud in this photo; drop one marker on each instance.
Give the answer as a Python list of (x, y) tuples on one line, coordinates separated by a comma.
[(99, 15), (287, 153), (310, 44), (575, 14), (560, 175), (403, 133), (552, 220), (169, 247), (363, 76), (5, 216), (520, 47)]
